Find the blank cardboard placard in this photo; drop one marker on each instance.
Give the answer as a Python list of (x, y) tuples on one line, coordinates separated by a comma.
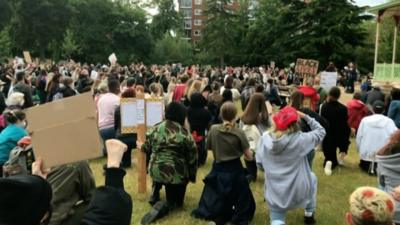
[(128, 115), (65, 131), (27, 57), (154, 111)]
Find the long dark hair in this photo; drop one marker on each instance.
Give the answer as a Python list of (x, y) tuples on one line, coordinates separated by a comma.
[(256, 111), (297, 99)]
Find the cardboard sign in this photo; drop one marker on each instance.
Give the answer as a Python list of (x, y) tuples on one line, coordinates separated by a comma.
[(306, 67), (128, 115), (65, 131), (154, 111), (328, 80), (27, 57), (112, 58)]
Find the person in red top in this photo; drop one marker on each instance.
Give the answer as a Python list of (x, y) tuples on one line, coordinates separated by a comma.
[(310, 93), (180, 89), (357, 110)]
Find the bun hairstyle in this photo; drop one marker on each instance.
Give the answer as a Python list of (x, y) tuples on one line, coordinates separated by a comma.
[(13, 117)]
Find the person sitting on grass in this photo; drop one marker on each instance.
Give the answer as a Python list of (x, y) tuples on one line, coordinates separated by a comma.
[(173, 161), (282, 153), (28, 199), (226, 195), (370, 206)]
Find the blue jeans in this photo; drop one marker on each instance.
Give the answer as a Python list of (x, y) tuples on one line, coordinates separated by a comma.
[(278, 217)]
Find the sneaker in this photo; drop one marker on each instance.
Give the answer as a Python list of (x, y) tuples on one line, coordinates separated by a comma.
[(309, 220), (328, 168)]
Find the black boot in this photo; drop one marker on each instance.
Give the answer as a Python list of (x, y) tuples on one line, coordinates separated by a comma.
[(159, 210), (251, 168), (155, 193)]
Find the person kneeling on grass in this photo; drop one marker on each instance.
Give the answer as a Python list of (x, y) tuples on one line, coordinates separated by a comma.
[(28, 198), (282, 153), (227, 196), (173, 161), (370, 206)]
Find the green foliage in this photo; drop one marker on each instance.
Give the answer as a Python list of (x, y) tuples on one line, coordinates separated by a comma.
[(172, 50), (166, 20), (5, 44), (324, 30), (70, 46)]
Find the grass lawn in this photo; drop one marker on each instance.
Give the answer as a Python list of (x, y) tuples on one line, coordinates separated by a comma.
[(333, 193)]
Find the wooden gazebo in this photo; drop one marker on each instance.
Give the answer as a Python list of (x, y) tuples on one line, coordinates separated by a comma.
[(384, 71)]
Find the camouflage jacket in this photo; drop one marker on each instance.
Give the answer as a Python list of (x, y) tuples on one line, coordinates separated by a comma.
[(173, 153)]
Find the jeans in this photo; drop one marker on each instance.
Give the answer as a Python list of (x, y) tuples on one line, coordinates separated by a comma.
[(278, 217)]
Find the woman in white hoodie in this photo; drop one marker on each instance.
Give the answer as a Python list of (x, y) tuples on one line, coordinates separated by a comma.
[(282, 152)]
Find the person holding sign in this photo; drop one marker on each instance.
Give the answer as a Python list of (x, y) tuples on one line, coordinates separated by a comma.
[(173, 161)]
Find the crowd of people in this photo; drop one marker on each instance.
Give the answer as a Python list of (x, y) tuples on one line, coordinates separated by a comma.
[(253, 121)]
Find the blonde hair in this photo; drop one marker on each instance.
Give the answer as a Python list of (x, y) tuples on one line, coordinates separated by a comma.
[(369, 205), (16, 98), (196, 87), (292, 128)]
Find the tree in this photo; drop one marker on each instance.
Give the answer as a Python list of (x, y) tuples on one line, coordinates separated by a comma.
[(171, 49), (166, 20), (36, 23), (217, 34), (70, 46), (322, 29), (5, 43)]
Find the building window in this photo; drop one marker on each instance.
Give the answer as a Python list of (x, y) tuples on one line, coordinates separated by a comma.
[(186, 3), (187, 13), (197, 12), (197, 22), (197, 2), (188, 33), (188, 24), (197, 33)]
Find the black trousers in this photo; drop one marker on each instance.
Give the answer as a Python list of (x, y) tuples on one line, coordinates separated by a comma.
[(175, 194), (366, 167), (330, 152), (202, 152)]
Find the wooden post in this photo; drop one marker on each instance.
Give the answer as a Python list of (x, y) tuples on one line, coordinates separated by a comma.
[(141, 136)]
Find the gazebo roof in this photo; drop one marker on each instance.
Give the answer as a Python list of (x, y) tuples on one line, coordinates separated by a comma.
[(389, 9)]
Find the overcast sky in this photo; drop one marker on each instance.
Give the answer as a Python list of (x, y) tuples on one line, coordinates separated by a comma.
[(369, 2)]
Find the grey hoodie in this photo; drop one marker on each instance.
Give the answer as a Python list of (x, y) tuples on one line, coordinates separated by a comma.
[(288, 177), (389, 177)]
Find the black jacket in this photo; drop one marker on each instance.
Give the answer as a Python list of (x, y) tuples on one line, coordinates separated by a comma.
[(339, 131), (199, 117)]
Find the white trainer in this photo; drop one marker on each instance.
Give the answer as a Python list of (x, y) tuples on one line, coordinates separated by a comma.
[(328, 168)]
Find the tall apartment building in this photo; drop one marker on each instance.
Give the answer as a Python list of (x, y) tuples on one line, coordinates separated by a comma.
[(194, 18), (193, 12)]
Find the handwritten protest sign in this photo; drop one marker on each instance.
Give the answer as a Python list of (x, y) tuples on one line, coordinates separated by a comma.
[(328, 80), (306, 67), (69, 132), (27, 57)]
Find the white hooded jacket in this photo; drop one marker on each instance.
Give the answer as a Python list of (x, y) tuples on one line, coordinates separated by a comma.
[(373, 133)]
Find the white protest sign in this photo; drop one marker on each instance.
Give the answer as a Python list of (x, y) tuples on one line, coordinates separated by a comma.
[(128, 115), (328, 80), (154, 112), (112, 58)]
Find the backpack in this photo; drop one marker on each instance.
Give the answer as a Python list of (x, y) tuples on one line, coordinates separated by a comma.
[(20, 161), (253, 136)]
